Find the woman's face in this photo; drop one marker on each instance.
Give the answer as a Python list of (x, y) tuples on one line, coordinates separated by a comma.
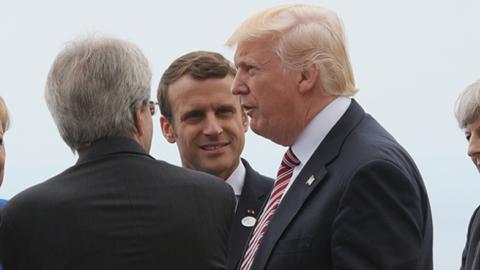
[(472, 133), (2, 154)]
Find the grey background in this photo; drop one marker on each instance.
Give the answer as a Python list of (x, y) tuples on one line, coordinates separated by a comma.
[(410, 59)]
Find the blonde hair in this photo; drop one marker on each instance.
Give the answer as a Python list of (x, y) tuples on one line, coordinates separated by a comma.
[(306, 35), (467, 107), (4, 118)]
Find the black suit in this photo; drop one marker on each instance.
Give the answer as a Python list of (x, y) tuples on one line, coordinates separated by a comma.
[(118, 208), (366, 209), (471, 253), (255, 192)]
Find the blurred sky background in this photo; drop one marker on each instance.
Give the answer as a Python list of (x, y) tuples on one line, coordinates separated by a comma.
[(410, 58)]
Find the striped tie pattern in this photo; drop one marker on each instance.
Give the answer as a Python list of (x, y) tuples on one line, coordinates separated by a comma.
[(283, 178)]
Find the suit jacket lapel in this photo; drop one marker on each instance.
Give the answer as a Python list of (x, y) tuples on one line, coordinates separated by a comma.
[(300, 190), (254, 193)]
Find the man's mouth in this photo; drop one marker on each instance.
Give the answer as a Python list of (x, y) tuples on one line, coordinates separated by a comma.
[(213, 147)]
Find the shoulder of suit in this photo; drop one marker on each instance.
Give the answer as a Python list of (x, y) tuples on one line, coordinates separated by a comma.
[(179, 172), (259, 178), (370, 141), (474, 224)]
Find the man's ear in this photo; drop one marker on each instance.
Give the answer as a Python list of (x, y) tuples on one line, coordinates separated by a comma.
[(308, 78), (167, 129), (139, 123)]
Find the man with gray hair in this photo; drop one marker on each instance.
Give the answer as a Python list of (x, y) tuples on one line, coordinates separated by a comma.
[(117, 207), (347, 195)]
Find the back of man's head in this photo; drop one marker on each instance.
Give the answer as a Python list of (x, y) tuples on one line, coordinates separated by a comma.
[(200, 65), (94, 87)]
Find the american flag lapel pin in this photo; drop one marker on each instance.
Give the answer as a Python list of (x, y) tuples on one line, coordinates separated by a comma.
[(310, 180)]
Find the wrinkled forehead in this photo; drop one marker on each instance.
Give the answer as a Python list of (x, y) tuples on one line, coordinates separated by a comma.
[(258, 50)]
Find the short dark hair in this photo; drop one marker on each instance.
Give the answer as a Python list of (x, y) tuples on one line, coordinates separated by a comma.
[(200, 65)]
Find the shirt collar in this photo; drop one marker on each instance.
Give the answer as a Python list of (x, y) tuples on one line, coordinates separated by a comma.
[(318, 128), (237, 178)]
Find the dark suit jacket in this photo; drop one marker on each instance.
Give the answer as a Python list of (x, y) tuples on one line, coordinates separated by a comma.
[(471, 253), (367, 208), (118, 208), (255, 192)]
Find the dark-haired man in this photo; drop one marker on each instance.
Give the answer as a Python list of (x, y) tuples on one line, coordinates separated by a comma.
[(207, 123)]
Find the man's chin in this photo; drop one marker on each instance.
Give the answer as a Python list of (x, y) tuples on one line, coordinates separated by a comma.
[(217, 168), (256, 127)]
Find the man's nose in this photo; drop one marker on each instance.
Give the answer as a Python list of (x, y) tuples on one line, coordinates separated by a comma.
[(212, 126), (238, 86)]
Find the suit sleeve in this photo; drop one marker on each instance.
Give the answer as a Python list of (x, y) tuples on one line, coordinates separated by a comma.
[(380, 221)]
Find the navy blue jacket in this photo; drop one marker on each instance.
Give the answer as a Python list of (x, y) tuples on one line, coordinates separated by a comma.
[(367, 208)]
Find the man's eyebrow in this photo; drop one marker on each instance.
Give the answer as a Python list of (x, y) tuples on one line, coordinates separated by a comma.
[(190, 113), (254, 63), (227, 107), (266, 61)]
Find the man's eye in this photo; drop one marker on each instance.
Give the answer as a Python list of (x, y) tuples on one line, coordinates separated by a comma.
[(192, 117), (467, 136), (225, 112), (251, 70)]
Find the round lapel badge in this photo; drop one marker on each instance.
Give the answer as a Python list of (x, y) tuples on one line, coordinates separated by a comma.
[(249, 221)]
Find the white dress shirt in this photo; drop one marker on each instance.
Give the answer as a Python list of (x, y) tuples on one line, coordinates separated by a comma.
[(237, 179), (314, 133)]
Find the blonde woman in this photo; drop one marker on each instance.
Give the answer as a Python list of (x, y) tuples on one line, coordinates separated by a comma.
[(4, 121)]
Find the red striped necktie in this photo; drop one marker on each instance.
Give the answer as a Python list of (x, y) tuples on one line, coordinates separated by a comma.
[(283, 178)]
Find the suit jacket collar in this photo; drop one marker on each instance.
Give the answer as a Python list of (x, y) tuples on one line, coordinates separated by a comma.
[(255, 191), (108, 146), (255, 185), (316, 167)]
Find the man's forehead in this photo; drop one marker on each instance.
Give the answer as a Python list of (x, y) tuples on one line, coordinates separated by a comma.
[(207, 97), (210, 105), (257, 50)]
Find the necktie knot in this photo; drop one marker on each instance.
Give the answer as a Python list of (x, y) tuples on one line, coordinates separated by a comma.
[(289, 161), (290, 158)]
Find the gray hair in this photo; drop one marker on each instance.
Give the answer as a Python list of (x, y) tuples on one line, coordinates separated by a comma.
[(467, 107), (306, 35), (4, 118), (94, 87)]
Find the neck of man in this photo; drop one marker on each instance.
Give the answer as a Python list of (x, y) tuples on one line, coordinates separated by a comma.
[(228, 172), (311, 107)]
